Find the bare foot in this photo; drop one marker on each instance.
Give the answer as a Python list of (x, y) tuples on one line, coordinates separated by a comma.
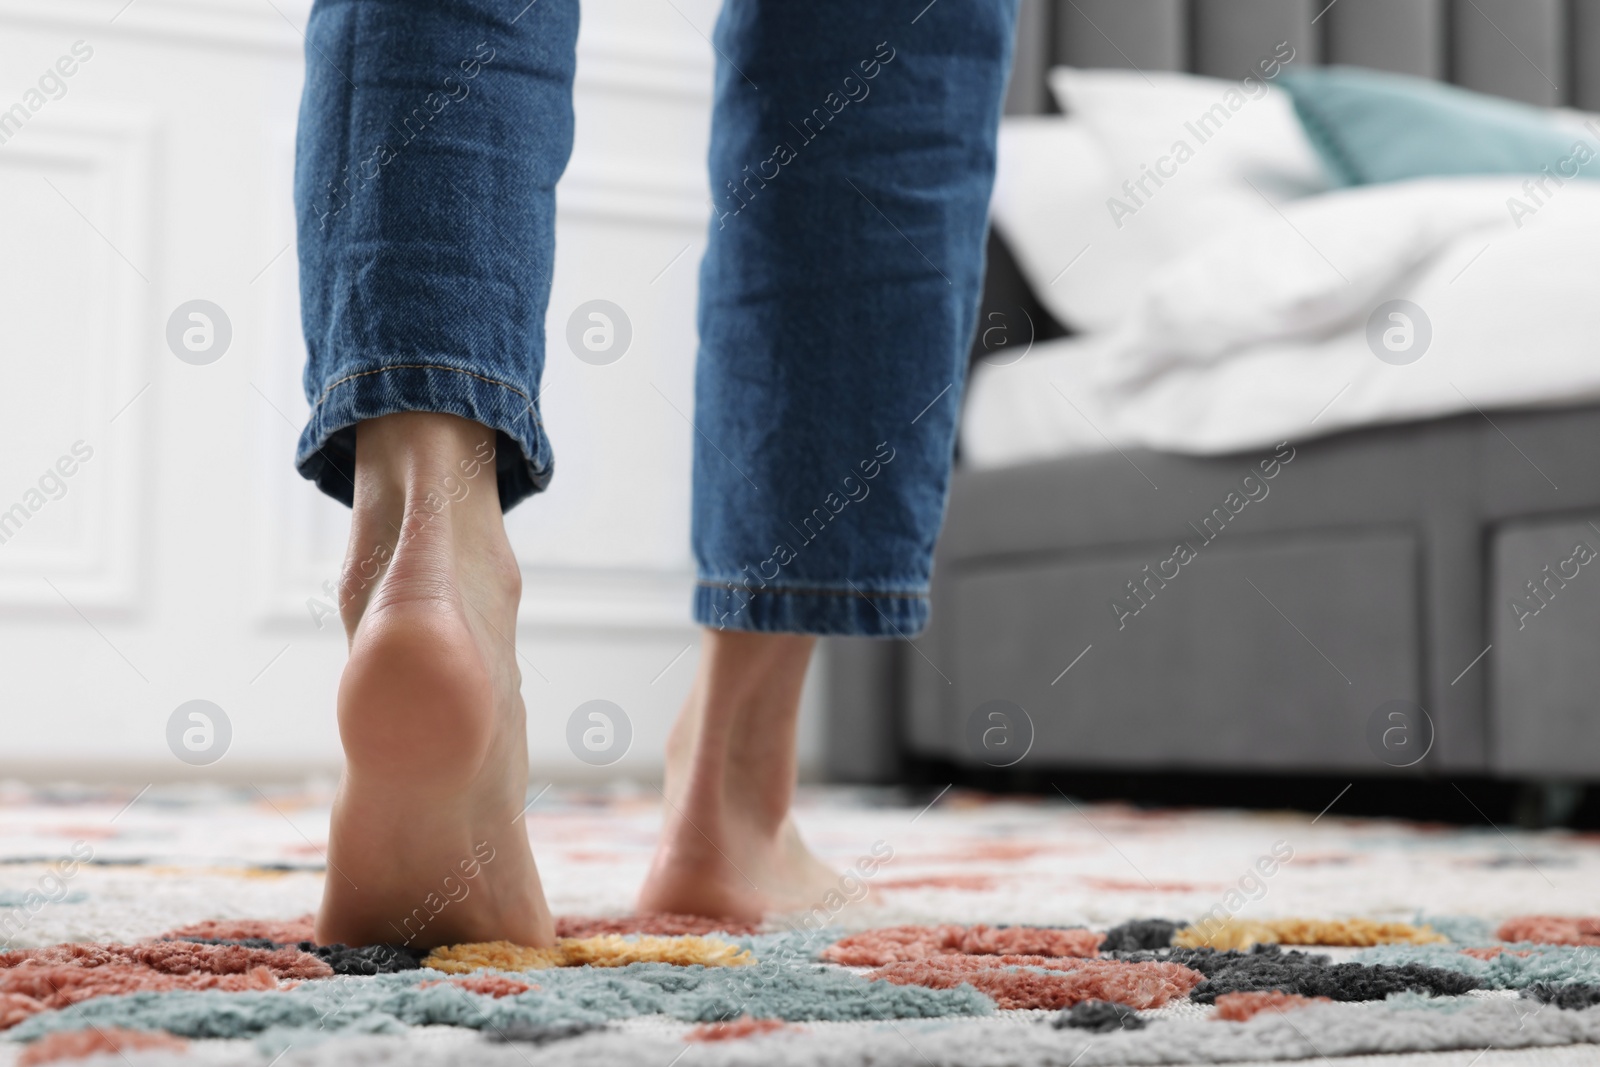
[(427, 845), (728, 848)]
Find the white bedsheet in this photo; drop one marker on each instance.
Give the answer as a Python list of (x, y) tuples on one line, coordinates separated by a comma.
[(1263, 336)]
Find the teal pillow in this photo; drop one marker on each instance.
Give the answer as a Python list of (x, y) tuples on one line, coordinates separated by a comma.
[(1373, 127)]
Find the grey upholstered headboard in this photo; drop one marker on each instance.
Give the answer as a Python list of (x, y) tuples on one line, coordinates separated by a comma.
[(1540, 51)]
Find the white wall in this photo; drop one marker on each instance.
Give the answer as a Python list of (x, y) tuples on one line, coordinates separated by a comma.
[(178, 563)]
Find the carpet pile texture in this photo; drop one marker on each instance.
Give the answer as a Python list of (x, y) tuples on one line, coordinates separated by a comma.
[(173, 926)]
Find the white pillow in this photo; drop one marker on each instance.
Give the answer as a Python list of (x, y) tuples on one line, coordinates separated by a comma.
[(1060, 197), (1051, 177), (1235, 131)]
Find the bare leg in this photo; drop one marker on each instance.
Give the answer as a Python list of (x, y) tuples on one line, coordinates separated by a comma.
[(728, 847), (427, 845)]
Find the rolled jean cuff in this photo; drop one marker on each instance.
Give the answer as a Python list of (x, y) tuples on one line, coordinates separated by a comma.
[(327, 450), (861, 612)]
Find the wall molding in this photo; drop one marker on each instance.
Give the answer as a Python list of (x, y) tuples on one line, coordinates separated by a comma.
[(274, 26), (617, 192), (617, 63), (637, 599), (117, 148)]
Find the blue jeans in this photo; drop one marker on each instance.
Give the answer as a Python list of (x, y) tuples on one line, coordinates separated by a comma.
[(852, 155)]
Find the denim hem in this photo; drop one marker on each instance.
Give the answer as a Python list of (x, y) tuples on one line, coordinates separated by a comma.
[(857, 613), (327, 449)]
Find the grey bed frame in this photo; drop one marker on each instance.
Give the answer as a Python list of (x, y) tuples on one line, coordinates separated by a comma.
[(1376, 572)]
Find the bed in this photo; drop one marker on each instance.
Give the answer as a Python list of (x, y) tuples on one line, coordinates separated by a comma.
[(1152, 563)]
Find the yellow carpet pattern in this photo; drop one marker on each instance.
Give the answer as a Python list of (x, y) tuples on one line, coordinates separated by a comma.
[(607, 950)]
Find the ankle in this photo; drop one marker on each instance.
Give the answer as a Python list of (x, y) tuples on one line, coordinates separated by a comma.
[(425, 496), (405, 450), (731, 752), (415, 467)]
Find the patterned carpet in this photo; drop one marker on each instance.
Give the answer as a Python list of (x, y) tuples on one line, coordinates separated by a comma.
[(173, 926)]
